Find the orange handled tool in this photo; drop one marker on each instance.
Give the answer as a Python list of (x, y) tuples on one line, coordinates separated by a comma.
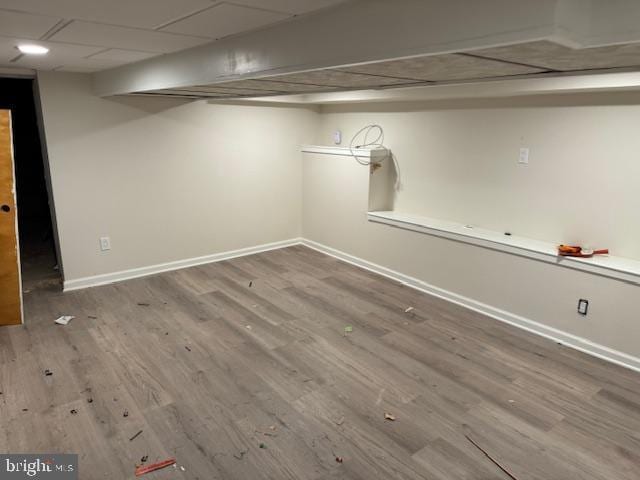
[(141, 470), (575, 251)]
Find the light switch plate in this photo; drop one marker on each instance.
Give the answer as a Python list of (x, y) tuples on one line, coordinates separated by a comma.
[(105, 244), (583, 306)]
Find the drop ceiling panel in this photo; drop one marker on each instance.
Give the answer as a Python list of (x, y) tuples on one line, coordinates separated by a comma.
[(111, 36), (59, 54), (558, 57), (86, 65), (290, 6), (132, 13), (260, 84), (122, 56), (442, 68), (7, 52), (340, 79), (16, 24), (223, 20)]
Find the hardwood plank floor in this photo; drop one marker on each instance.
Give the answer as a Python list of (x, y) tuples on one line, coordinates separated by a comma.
[(213, 361)]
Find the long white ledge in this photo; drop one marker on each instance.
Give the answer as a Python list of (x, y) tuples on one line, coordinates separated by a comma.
[(373, 154), (624, 269)]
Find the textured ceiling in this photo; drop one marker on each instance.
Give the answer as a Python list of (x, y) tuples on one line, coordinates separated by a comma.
[(442, 68), (545, 54), (534, 58)]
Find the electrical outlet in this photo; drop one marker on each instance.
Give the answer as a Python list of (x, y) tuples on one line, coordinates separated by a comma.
[(105, 244), (524, 156), (583, 306)]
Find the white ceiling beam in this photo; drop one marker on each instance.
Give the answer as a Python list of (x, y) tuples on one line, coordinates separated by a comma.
[(357, 32)]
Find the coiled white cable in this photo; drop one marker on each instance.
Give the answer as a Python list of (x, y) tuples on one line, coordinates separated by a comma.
[(366, 143)]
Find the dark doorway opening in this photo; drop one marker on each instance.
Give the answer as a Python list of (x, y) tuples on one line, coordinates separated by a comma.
[(38, 260)]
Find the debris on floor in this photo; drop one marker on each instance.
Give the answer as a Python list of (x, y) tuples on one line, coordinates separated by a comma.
[(65, 319), (240, 455), (272, 433), (407, 310), (188, 348), (142, 304), (135, 436), (348, 329), (89, 400), (92, 317), (182, 469), (389, 416), (248, 327), (340, 421), (73, 411), (262, 445), (144, 459), (142, 470), (48, 373), (339, 459), (25, 409), (250, 284), (493, 460), (125, 414)]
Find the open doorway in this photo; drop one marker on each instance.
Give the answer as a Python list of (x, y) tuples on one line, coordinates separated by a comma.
[(38, 259)]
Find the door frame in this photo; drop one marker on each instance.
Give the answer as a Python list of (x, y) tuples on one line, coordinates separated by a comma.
[(15, 203), (32, 75)]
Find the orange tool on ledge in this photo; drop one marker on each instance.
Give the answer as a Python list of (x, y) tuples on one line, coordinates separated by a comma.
[(574, 251), (141, 470)]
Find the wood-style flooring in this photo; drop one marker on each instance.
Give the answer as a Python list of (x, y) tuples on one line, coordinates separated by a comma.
[(243, 370)]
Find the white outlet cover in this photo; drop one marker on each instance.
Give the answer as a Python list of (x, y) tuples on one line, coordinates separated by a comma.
[(337, 137), (105, 244), (524, 156)]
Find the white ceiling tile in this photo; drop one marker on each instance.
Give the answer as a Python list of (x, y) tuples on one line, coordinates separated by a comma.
[(7, 52), (88, 65), (224, 19), (111, 36), (290, 6), (25, 25), (122, 56), (59, 54), (132, 13)]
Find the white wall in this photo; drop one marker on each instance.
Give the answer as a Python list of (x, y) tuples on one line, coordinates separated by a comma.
[(167, 179), (459, 162)]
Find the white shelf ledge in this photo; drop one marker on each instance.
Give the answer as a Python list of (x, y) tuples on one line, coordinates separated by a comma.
[(605, 265), (372, 154)]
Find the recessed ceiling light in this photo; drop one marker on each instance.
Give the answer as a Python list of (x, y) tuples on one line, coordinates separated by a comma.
[(29, 49)]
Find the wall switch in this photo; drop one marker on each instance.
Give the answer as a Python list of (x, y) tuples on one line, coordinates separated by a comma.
[(524, 156), (583, 306), (105, 244), (337, 137)]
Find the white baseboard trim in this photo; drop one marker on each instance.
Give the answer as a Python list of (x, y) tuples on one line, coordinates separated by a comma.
[(107, 278), (573, 341)]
